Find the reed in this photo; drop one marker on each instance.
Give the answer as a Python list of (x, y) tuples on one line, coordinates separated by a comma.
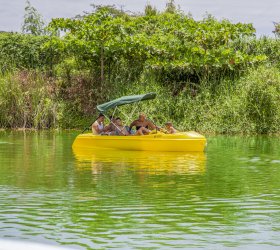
[(27, 101), (249, 105)]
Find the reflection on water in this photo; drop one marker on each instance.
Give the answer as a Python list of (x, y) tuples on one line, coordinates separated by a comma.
[(226, 197), (140, 161)]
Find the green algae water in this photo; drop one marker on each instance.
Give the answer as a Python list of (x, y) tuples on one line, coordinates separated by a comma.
[(227, 197)]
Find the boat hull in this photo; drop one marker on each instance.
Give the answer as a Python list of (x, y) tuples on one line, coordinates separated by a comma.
[(180, 142)]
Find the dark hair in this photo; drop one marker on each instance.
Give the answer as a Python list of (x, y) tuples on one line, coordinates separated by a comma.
[(100, 115), (118, 118)]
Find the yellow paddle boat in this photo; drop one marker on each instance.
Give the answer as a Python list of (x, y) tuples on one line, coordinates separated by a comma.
[(156, 141), (188, 141)]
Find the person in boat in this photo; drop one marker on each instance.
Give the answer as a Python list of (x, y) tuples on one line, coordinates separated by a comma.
[(120, 129), (169, 128), (142, 125), (98, 127), (110, 128)]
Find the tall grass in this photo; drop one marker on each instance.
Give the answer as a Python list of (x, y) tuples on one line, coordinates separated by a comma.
[(247, 105), (26, 101), (29, 99)]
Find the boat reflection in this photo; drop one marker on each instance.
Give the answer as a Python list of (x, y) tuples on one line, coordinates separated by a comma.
[(144, 161)]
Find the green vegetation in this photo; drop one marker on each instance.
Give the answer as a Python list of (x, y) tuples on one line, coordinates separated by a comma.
[(211, 76), (33, 23), (277, 29)]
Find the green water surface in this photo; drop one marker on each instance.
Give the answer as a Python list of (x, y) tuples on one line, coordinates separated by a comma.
[(227, 197)]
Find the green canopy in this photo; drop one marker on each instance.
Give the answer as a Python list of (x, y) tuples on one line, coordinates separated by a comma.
[(125, 100)]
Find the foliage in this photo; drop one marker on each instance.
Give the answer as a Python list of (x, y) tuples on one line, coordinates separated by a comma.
[(20, 51), (249, 105), (27, 101), (150, 10), (172, 45), (265, 46), (170, 7), (277, 29), (94, 38), (33, 23), (261, 99)]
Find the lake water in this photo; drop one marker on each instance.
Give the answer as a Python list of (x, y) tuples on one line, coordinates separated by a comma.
[(227, 197)]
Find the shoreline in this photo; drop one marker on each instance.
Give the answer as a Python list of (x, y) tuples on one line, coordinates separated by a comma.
[(80, 131)]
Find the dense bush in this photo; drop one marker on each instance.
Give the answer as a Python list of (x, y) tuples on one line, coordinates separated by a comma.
[(19, 51), (173, 46), (267, 46)]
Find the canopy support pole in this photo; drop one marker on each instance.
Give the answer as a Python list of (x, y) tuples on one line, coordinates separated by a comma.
[(113, 122)]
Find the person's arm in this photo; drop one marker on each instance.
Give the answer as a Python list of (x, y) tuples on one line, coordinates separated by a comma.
[(124, 131), (108, 128), (131, 125), (173, 130), (151, 125), (94, 128)]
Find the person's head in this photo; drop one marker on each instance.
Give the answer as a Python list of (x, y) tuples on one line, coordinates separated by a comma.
[(118, 121), (168, 124), (112, 118), (101, 117), (142, 117)]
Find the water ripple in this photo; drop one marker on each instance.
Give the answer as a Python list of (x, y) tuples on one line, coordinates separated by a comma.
[(220, 200)]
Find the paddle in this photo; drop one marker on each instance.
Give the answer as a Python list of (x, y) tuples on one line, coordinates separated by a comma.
[(88, 128)]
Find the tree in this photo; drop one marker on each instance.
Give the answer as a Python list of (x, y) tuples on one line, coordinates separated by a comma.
[(170, 7), (33, 22), (93, 38), (277, 29), (171, 45), (150, 10)]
